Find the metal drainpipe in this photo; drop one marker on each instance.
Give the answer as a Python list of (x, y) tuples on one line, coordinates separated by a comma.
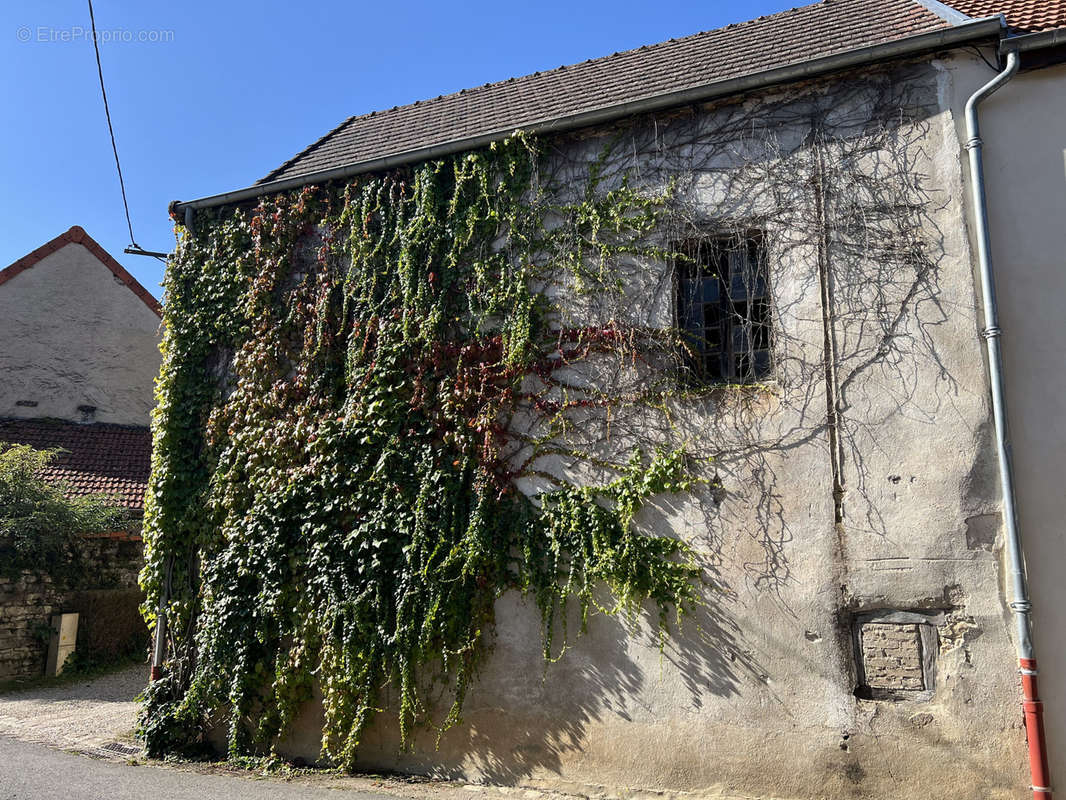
[(158, 653), (1019, 588), (160, 644)]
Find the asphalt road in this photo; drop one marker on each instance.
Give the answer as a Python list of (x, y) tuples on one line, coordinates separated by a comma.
[(33, 771)]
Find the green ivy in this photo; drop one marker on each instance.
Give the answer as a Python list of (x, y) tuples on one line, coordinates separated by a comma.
[(333, 498)]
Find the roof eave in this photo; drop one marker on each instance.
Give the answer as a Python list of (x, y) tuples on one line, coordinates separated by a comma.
[(1033, 41), (986, 27)]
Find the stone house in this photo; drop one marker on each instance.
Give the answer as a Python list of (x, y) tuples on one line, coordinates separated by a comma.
[(861, 642), (77, 372)]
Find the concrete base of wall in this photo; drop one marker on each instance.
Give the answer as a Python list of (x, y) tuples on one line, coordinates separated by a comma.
[(614, 721)]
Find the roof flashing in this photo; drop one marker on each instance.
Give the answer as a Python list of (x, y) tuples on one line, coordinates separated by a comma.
[(945, 12)]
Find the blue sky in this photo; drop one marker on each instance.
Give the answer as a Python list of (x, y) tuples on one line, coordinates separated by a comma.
[(219, 93)]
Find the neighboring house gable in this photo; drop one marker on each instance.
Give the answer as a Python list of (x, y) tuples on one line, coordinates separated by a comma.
[(80, 336)]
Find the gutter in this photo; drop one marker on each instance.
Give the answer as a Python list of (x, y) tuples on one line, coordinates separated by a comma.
[(1019, 603), (1033, 41), (986, 27)]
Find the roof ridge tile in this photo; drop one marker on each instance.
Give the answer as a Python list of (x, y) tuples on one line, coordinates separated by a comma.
[(466, 90)]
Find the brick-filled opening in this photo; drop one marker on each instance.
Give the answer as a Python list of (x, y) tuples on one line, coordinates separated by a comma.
[(895, 655)]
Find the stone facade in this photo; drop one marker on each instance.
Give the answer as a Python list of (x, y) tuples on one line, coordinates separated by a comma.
[(108, 602)]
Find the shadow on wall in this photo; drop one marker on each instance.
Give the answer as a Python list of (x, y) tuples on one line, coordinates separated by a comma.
[(513, 730), (877, 252), (867, 238)]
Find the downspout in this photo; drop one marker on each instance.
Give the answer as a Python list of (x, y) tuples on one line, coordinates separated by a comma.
[(1019, 603), (159, 646), (160, 643)]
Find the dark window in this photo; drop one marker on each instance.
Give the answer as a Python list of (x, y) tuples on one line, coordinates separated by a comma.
[(723, 308)]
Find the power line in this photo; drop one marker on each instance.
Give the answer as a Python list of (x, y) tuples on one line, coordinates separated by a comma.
[(110, 128)]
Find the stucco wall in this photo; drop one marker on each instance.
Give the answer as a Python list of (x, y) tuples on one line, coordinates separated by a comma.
[(73, 335), (758, 695), (1024, 130)]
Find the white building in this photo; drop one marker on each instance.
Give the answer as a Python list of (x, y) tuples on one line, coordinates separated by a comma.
[(81, 336), (859, 642)]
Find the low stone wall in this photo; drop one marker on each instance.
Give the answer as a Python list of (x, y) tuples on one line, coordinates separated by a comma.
[(106, 597)]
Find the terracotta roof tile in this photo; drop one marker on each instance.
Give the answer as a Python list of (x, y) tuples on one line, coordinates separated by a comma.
[(802, 34), (102, 458), (1023, 16)]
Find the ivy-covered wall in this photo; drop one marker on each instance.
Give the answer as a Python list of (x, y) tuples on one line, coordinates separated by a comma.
[(334, 497), (418, 431)]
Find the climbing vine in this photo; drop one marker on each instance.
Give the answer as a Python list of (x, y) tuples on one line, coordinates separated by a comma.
[(385, 403), (363, 438)]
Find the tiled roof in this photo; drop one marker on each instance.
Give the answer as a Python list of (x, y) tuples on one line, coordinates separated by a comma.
[(1023, 16), (802, 34), (113, 459), (77, 235)]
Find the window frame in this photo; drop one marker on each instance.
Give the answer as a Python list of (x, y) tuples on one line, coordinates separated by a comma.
[(724, 248)]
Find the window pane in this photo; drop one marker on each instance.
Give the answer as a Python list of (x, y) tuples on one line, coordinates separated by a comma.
[(762, 363), (723, 307), (709, 291), (741, 340)]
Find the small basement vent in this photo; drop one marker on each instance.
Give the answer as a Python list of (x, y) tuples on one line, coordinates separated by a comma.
[(896, 655)]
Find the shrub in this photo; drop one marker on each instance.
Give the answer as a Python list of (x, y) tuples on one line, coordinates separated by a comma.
[(40, 522)]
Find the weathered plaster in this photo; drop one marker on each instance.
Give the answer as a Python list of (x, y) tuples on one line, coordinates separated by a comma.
[(1023, 127), (74, 335), (757, 695)]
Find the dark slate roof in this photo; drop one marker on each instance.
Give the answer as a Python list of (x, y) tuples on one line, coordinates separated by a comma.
[(113, 459), (779, 40), (1023, 16)]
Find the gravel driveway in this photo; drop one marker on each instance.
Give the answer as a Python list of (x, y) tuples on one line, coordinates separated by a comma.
[(96, 716)]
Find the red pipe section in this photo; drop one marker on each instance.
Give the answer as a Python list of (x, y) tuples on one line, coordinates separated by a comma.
[(1033, 710)]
